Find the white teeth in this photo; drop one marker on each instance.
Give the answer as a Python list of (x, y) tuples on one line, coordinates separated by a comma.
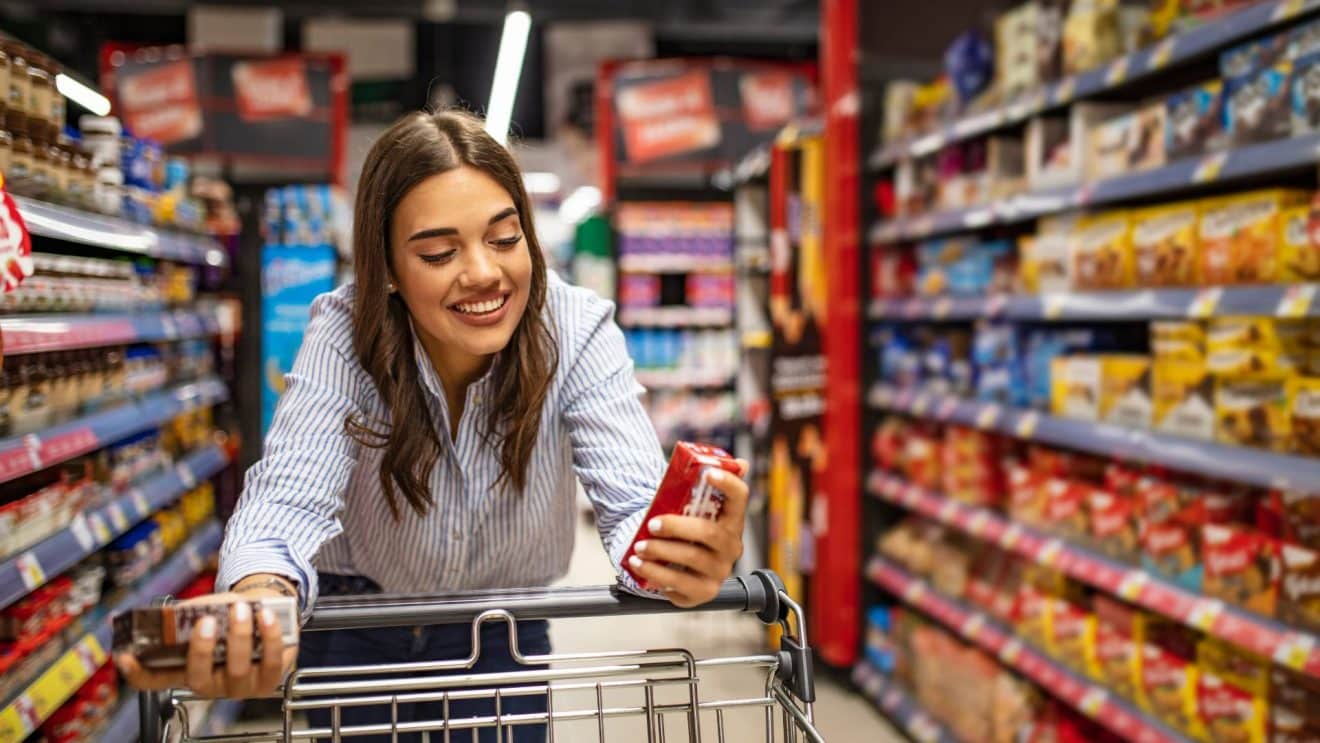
[(481, 308)]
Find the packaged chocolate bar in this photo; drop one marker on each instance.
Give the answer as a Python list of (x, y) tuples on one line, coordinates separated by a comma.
[(685, 490), (158, 636)]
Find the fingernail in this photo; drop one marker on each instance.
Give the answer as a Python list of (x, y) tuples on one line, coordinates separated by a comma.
[(242, 612), (206, 627), (636, 562), (654, 525), (267, 617), (640, 547)]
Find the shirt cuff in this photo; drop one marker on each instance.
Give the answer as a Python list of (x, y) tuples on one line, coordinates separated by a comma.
[(623, 536), (269, 556)]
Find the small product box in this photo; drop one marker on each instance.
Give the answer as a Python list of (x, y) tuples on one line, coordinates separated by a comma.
[(1075, 387), (1240, 236), (1045, 266), (1305, 422), (1232, 694), (1259, 107), (1255, 410), (1182, 398), (1194, 121), (1166, 669), (1299, 587), (1101, 252), (1113, 522), (1294, 706), (685, 490), (1125, 390), (1305, 91), (1165, 245), (1291, 516), (1127, 143), (1241, 567), (1299, 253), (159, 636), (1111, 649)]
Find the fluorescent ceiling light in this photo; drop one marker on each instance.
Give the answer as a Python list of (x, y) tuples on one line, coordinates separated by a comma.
[(579, 204), (82, 95), (541, 183), (508, 68)]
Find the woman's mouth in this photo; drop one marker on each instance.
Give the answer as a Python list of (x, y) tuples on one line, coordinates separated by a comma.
[(486, 311), (484, 307)]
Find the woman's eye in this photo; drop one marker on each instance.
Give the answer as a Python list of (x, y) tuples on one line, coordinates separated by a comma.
[(508, 242), (438, 257)]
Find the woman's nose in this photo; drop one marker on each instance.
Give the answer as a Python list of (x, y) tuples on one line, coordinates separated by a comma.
[(480, 268)]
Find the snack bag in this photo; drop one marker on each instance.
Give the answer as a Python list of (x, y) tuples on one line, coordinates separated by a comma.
[(1111, 652), (1113, 524), (685, 490), (159, 636), (1166, 670), (1255, 410), (1299, 587), (1241, 567), (1068, 624), (1231, 693), (1299, 255)]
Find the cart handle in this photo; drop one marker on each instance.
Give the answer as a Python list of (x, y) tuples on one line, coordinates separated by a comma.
[(757, 593)]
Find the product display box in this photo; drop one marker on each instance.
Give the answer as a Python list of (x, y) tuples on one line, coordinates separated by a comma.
[(1166, 669), (159, 636), (1299, 252), (1112, 649), (1110, 388), (1258, 107), (1044, 261), (1239, 236), (1101, 252), (1299, 586), (1166, 245), (1125, 144), (1254, 410), (1194, 121), (1242, 567), (1232, 693), (1182, 398)]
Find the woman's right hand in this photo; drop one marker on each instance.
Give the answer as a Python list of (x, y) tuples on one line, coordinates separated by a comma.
[(239, 677)]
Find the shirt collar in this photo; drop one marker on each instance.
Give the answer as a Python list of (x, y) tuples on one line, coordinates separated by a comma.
[(431, 380)]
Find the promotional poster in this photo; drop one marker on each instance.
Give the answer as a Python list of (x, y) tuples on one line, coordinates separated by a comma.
[(291, 277)]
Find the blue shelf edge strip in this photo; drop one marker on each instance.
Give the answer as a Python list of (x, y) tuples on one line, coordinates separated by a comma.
[(105, 427), (52, 220), (1294, 153), (1142, 63), (62, 550), (895, 703), (1221, 461), (1285, 300)]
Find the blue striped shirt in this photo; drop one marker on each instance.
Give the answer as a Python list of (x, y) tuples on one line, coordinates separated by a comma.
[(313, 502)]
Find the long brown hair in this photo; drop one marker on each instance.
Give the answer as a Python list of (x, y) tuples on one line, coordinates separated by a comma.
[(415, 148)]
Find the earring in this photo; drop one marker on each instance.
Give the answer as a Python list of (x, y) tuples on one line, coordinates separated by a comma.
[(389, 287)]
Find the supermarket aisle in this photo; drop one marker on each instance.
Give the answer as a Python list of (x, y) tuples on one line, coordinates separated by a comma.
[(843, 717)]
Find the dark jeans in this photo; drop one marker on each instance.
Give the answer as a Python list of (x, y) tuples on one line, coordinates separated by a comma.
[(416, 644)]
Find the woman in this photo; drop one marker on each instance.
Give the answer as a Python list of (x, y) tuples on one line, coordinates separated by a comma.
[(432, 426)]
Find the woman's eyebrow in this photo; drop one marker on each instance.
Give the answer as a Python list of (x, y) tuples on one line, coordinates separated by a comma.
[(430, 232)]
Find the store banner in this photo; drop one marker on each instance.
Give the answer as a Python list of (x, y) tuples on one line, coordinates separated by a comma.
[(273, 89), (669, 117), (767, 100), (160, 101), (291, 277)]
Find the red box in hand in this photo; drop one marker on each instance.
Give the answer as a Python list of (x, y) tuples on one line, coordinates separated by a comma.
[(685, 491)]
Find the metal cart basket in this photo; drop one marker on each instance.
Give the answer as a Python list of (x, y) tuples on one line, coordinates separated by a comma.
[(654, 695)]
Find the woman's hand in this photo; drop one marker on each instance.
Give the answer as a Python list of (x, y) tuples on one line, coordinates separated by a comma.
[(239, 677), (701, 553)]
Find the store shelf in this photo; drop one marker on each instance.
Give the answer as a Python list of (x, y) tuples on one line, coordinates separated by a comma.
[(22, 455), (681, 379), (29, 708), (674, 263), (1269, 158), (125, 723), (1088, 698), (1277, 300), (50, 220), (92, 530), (897, 705), (1188, 46), (44, 333), (1288, 646), (1221, 461), (676, 317)]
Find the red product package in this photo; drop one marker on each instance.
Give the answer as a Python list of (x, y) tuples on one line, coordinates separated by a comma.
[(685, 491), (1065, 514), (1113, 525), (1241, 567)]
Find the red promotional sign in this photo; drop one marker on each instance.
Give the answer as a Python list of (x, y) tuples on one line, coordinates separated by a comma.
[(161, 102), (272, 89), (669, 117), (15, 244), (767, 99)]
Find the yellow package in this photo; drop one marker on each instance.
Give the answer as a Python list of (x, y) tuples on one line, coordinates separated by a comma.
[(1125, 390), (1305, 422), (1264, 333), (1166, 671), (1255, 410), (1075, 387), (1068, 623), (1240, 236), (1111, 649), (1299, 257), (1232, 688), (1165, 245), (1182, 398), (1044, 266), (1178, 341), (1101, 252)]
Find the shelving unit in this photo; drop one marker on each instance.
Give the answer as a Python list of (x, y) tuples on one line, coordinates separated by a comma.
[(892, 699), (675, 317), (974, 626), (112, 233), (1267, 638), (44, 333), (1220, 461), (26, 710)]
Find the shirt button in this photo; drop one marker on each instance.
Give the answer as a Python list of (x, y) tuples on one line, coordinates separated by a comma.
[(456, 535)]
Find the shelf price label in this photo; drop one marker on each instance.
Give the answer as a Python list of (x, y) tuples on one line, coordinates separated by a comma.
[(1093, 701), (948, 511), (923, 729), (1207, 171), (1049, 553), (194, 560), (1133, 584), (988, 416), (921, 404), (1026, 425), (117, 517), (1064, 91), (186, 476), (1053, 305), (1296, 300), (914, 592), (1163, 53), (1011, 651), (1286, 9), (99, 529), (82, 532), (1205, 613), (948, 406), (971, 629), (1205, 302), (1295, 650), (29, 570), (943, 306), (1117, 72), (976, 525), (1011, 536), (140, 502)]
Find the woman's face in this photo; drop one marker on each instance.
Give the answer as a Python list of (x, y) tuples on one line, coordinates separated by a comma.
[(460, 262)]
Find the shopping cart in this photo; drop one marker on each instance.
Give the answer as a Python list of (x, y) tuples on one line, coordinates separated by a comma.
[(652, 695)]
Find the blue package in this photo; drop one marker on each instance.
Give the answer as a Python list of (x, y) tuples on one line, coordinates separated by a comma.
[(880, 647), (1246, 59), (1194, 121), (1257, 107), (970, 64), (1305, 94)]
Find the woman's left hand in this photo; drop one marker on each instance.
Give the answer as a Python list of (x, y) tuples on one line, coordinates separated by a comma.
[(700, 553)]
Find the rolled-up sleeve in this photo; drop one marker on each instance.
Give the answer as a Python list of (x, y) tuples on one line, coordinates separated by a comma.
[(292, 498), (616, 453)]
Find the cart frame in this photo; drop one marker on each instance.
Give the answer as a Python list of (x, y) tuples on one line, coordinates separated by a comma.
[(789, 685)]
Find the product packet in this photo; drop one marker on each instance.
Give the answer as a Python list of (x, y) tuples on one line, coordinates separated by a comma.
[(158, 636)]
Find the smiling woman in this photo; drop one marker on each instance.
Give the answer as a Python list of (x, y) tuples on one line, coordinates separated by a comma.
[(436, 420)]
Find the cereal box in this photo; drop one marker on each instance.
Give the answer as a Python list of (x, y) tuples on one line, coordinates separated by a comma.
[(1101, 251), (1299, 254), (1241, 567), (1299, 588), (1255, 411), (1239, 236), (1165, 245)]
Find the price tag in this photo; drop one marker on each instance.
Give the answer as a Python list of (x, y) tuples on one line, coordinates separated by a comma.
[(1133, 583), (1296, 300), (948, 511), (117, 517), (1053, 306), (891, 699), (1205, 613), (988, 416), (1163, 53), (1011, 536), (1205, 302), (1118, 71), (29, 570), (1208, 169), (140, 503), (195, 561), (99, 529), (995, 305), (921, 404), (82, 532), (170, 330), (1026, 425), (1011, 650), (976, 526), (186, 476), (1286, 9), (947, 408), (923, 729), (971, 629), (1064, 92), (1049, 553), (915, 592), (1093, 701), (1295, 650), (943, 306)]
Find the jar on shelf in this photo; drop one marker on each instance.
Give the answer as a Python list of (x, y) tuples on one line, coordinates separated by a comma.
[(20, 87), (101, 138), (42, 170), (60, 158), (58, 106), (4, 83), (6, 151), (32, 413), (22, 161), (41, 87), (81, 177)]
